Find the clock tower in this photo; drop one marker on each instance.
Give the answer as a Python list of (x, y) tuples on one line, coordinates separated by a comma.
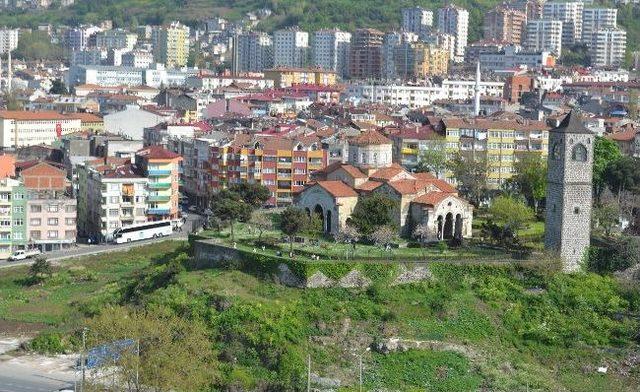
[(569, 191)]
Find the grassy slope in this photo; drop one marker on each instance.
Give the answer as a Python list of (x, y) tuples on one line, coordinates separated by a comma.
[(488, 314)]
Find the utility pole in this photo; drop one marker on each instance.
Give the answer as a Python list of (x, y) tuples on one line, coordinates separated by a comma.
[(83, 357), (309, 373), (138, 366)]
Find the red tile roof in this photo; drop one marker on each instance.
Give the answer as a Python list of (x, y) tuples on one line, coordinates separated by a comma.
[(368, 185), (431, 198), (353, 171), (388, 173), (370, 137), (26, 116), (337, 188), (157, 152), (625, 136)]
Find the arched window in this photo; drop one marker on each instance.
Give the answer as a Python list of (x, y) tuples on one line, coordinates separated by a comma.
[(579, 153), (299, 147)]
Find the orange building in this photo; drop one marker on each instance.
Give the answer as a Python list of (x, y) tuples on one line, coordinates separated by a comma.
[(7, 165)]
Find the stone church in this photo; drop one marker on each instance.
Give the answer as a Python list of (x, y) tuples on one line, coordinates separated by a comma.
[(569, 191), (422, 198)]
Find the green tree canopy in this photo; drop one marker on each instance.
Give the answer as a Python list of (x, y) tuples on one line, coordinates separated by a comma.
[(372, 212), (58, 87), (510, 212), (253, 194), (530, 178), (623, 174), (471, 173), (433, 159), (37, 45), (605, 152), (230, 207), (293, 221)]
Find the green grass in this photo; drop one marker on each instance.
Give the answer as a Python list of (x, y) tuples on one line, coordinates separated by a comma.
[(75, 283)]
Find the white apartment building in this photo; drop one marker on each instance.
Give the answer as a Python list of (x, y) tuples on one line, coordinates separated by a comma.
[(106, 76), (116, 39), (209, 82), (22, 128), (570, 14), (512, 56), (290, 48), (8, 40), (544, 35), (109, 199), (137, 59), (417, 19), (331, 50), (594, 19), (608, 47), (416, 96), (253, 52), (455, 21)]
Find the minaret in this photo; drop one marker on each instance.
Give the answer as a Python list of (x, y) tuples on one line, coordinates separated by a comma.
[(476, 98), (9, 73)]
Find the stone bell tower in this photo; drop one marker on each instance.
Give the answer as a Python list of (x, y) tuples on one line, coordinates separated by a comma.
[(569, 191)]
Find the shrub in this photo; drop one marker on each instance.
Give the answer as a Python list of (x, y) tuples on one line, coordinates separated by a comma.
[(48, 343)]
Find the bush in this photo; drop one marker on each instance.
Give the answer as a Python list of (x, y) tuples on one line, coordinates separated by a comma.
[(48, 343), (619, 256)]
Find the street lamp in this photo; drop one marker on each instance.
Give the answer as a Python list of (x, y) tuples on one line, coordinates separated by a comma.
[(360, 362)]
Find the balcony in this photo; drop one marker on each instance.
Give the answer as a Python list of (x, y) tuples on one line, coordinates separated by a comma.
[(160, 198), (159, 185), (159, 173), (158, 211), (410, 151)]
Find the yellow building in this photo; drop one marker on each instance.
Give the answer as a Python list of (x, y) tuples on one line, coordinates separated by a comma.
[(498, 140), (172, 47), (162, 167), (429, 60), (287, 76)]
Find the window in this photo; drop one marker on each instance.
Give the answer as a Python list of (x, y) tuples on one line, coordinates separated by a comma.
[(36, 208), (52, 234), (52, 208), (52, 221), (114, 212), (114, 199), (18, 209), (18, 236), (70, 208), (70, 221), (579, 153), (70, 234), (140, 212), (35, 235), (18, 222), (35, 221)]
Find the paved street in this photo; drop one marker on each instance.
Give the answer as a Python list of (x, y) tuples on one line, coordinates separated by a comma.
[(85, 250), (36, 373)]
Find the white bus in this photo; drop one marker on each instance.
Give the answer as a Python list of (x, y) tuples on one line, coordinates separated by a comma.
[(143, 231)]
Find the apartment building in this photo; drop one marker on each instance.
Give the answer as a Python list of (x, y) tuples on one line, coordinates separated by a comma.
[(22, 128), (418, 60), (504, 24), (442, 40), (111, 194), (172, 45), (531, 8), (410, 144), (284, 77), (116, 39), (8, 40), (13, 226), (137, 59), (395, 42), (544, 36), (282, 164), (594, 19), (50, 210), (366, 54), (513, 56), (331, 50), (252, 52), (455, 21), (498, 140), (608, 47), (417, 20), (570, 14), (290, 48), (162, 168)]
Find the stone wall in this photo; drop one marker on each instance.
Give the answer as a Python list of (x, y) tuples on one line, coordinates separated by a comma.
[(210, 254)]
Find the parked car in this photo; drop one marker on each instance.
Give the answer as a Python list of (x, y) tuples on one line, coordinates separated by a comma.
[(24, 254)]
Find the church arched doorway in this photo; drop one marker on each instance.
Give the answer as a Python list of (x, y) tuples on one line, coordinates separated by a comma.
[(440, 224), (448, 226), (320, 215), (328, 220)]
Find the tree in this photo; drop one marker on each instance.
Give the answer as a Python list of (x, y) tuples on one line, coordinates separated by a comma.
[(471, 173), (577, 54), (228, 206), (422, 232), (530, 178), (623, 174), (253, 194), (433, 159), (37, 45), (383, 236), (349, 235), (293, 221), (174, 352), (371, 212), (58, 87), (510, 213), (607, 216), (605, 152), (40, 270), (262, 222)]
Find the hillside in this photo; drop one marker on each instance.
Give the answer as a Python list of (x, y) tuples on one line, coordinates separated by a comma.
[(493, 328)]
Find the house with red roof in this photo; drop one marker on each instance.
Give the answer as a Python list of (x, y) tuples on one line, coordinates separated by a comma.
[(422, 199)]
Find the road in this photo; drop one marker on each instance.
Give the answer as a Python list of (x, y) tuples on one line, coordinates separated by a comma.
[(86, 250), (35, 374)]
